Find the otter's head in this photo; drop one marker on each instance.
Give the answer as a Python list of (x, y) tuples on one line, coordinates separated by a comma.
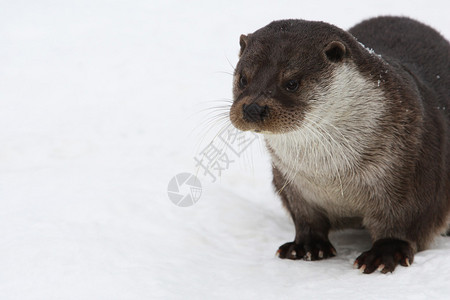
[(283, 69)]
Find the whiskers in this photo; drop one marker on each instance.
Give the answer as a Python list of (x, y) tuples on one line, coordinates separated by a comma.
[(214, 118), (221, 143), (317, 149)]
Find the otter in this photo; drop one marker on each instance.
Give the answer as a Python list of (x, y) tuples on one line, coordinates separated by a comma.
[(357, 125)]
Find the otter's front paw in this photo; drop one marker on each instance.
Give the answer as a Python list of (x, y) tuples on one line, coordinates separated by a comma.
[(385, 255), (314, 250)]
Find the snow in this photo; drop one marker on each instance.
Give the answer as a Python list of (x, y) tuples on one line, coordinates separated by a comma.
[(101, 106)]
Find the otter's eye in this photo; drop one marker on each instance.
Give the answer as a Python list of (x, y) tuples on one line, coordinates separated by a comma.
[(243, 81), (292, 85)]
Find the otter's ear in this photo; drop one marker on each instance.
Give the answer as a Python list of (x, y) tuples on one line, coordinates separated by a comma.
[(335, 51), (243, 42)]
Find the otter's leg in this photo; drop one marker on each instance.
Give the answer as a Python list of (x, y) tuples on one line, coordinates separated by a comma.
[(400, 230), (397, 237), (311, 226)]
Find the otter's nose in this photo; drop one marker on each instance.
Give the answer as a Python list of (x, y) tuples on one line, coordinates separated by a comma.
[(254, 112)]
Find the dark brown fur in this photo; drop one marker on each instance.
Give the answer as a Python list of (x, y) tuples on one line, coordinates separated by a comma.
[(399, 181)]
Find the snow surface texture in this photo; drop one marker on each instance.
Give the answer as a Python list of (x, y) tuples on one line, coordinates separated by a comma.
[(100, 106)]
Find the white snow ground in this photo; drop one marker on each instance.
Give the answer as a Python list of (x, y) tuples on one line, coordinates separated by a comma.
[(99, 105)]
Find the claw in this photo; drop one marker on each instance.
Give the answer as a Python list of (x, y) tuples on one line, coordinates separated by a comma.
[(363, 267), (333, 251), (308, 256)]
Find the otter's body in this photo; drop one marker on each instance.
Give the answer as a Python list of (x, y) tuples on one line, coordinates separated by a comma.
[(357, 124)]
